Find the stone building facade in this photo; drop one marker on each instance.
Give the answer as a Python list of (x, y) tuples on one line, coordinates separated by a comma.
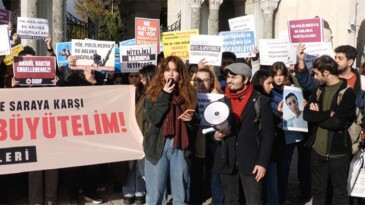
[(344, 19)]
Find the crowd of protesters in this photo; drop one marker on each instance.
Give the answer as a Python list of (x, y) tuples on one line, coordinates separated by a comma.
[(246, 162)]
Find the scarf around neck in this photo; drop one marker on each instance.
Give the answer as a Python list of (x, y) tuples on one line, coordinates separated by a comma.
[(239, 101), (172, 127)]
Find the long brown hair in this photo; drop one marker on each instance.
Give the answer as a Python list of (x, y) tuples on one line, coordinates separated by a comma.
[(215, 85), (280, 66), (183, 88)]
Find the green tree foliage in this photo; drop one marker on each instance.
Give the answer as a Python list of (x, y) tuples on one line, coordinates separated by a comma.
[(104, 14)]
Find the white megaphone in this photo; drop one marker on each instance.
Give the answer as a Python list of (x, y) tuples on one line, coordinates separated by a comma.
[(216, 114)]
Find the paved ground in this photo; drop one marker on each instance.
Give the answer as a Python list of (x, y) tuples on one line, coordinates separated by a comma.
[(18, 193)]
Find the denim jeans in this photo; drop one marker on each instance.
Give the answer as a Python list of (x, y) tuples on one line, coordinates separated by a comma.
[(173, 164), (271, 185), (135, 184), (217, 189)]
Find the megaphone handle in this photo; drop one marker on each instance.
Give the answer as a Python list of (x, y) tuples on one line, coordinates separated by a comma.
[(208, 130)]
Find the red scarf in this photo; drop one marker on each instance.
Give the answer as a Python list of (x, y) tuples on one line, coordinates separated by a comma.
[(239, 101), (172, 127)]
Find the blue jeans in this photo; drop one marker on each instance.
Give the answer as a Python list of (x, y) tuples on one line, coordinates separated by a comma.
[(271, 184), (173, 164), (135, 184), (216, 187)]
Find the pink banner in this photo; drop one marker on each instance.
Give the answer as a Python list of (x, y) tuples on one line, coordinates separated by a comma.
[(57, 127), (306, 30)]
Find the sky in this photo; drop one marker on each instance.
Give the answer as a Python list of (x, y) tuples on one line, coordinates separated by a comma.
[(70, 7)]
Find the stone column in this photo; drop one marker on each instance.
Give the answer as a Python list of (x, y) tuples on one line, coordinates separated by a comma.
[(32, 11), (268, 7), (213, 20), (58, 22), (195, 13)]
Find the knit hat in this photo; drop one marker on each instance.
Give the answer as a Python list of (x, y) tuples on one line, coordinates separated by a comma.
[(240, 69)]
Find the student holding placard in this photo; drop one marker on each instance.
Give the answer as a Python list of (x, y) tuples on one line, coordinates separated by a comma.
[(286, 145)]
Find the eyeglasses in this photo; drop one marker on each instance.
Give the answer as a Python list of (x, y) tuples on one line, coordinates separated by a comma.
[(198, 80)]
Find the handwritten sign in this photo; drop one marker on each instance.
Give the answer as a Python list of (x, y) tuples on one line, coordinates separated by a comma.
[(273, 50), (135, 57), (206, 46), (5, 16), (5, 48), (147, 32), (312, 52), (241, 43), (95, 55), (177, 43), (32, 28), (34, 70), (306, 30)]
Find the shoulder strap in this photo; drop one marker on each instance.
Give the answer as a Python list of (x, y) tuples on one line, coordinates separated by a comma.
[(362, 81), (340, 94), (257, 106)]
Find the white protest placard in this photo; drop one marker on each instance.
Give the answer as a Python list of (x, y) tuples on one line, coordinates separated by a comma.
[(312, 51), (273, 50), (94, 55), (31, 28), (133, 58), (241, 43), (206, 46), (242, 23), (58, 127), (359, 188), (5, 48), (203, 100)]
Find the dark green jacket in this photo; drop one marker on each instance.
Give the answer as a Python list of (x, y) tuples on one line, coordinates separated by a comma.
[(153, 141)]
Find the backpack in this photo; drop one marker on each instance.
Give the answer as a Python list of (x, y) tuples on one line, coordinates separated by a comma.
[(355, 128)]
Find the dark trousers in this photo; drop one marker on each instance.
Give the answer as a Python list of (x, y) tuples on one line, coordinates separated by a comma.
[(251, 188), (334, 168), (42, 183)]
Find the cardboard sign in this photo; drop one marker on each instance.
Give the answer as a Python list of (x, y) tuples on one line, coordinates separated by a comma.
[(5, 16), (5, 48), (147, 32), (34, 70), (312, 52), (206, 46), (94, 55), (306, 30), (9, 59), (273, 50), (203, 100), (177, 43), (242, 23), (135, 57), (31, 28), (130, 42), (63, 50), (58, 127), (241, 43)]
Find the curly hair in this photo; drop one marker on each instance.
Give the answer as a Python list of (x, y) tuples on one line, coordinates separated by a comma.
[(183, 88)]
